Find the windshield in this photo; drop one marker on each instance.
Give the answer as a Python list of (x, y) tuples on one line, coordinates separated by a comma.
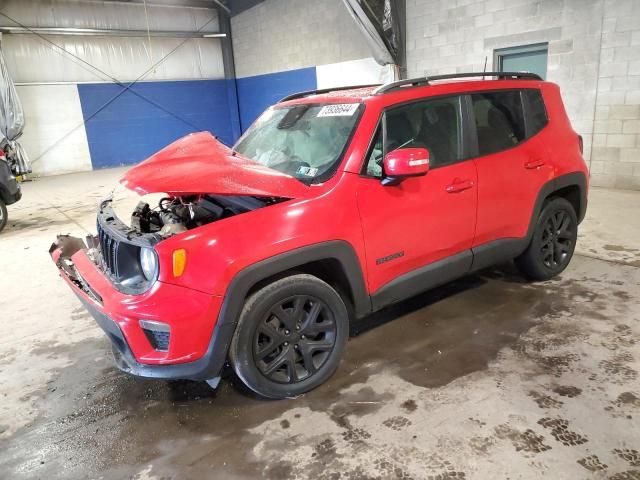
[(304, 141)]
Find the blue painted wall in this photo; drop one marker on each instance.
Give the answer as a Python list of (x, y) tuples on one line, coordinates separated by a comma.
[(127, 128), (257, 93)]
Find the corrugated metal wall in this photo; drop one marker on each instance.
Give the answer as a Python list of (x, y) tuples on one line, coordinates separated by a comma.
[(32, 59), (77, 117)]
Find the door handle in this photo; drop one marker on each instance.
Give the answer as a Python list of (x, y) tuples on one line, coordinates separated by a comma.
[(459, 186), (531, 164)]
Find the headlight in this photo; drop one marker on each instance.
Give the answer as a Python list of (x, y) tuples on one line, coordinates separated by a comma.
[(148, 263)]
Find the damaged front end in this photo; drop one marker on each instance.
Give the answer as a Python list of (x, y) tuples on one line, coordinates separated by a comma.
[(175, 215), (117, 250), (114, 275), (62, 250), (124, 252), (156, 326), (230, 185)]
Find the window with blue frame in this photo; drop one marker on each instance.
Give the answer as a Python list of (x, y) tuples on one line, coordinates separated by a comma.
[(525, 58)]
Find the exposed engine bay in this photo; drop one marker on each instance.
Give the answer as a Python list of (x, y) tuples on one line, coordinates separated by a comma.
[(174, 215)]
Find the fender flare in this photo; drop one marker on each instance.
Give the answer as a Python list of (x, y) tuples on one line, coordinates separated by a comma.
[(577, 179), (338, 250), (245, 279)]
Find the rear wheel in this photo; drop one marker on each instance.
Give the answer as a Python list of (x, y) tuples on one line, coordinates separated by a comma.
[(553, 241), (3, 215), (290, 337)]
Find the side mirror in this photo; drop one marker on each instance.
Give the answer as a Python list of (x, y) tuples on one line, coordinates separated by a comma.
[(405, 162)]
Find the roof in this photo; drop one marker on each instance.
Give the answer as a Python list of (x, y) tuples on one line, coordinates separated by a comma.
[(360, 92), (350, 94)]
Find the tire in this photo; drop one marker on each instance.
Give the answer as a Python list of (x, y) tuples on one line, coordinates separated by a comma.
[(4, 216), (553, 241), (290, 337)]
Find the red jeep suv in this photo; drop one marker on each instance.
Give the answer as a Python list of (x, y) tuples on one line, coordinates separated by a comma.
[(334, 204)]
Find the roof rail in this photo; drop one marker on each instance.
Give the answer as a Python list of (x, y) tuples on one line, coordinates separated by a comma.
[(308, 93), (422, 81)]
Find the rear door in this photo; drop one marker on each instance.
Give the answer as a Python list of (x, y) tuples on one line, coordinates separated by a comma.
[(512, 161), (423, 220)]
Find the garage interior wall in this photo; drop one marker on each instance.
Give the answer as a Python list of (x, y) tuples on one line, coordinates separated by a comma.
[(594, 55), (78, 118)]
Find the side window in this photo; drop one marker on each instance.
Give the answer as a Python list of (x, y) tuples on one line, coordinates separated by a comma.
[(374, 159), (536, 113), (431, 124), (499, 120)]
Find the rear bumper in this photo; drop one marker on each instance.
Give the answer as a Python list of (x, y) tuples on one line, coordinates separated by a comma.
[(197, 345)]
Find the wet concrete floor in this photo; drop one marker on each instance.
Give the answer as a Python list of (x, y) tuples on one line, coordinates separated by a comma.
[(488, 377)]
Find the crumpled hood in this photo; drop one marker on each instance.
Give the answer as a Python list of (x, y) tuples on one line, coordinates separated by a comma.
[(198, 163)]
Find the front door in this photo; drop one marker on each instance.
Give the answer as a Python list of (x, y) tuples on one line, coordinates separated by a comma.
[(420, 231)]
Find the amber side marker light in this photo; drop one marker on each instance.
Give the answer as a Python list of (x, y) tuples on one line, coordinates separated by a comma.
[(179, 261)]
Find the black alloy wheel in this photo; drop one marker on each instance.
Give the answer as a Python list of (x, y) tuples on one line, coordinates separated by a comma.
[(290, 336), (553, 241), (294, 339), (557, 240)]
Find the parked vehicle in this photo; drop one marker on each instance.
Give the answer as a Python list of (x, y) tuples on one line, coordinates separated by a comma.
[(10, 191), (334, 204)]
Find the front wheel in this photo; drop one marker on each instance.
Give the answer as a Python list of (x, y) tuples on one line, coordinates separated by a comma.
[(290, 337), (552, 243), (3, 215)]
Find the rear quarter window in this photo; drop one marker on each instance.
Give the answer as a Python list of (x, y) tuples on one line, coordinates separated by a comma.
[(536, 112), (499, 118)]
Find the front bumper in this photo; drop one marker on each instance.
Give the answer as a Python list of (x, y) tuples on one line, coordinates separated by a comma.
[(198, 345)]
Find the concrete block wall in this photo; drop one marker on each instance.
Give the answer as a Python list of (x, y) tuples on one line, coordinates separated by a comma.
[(615, 160), (594, 55), (285, 46), (280, 35)]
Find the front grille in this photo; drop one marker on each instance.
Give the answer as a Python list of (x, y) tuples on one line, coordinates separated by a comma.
[(119, 252), (109, 251)]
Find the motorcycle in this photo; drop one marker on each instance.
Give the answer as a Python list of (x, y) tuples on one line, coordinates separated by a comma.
[(10, 191)]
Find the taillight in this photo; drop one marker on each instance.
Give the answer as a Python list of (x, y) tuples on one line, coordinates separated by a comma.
[(581, 143), (2, 154)]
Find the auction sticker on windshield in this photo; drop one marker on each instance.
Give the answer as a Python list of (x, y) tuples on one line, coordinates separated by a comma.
[(338, 110), (307, 171)]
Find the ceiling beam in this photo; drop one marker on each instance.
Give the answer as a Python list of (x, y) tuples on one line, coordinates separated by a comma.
[(210, 4), (109, 32), (231, 7)]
